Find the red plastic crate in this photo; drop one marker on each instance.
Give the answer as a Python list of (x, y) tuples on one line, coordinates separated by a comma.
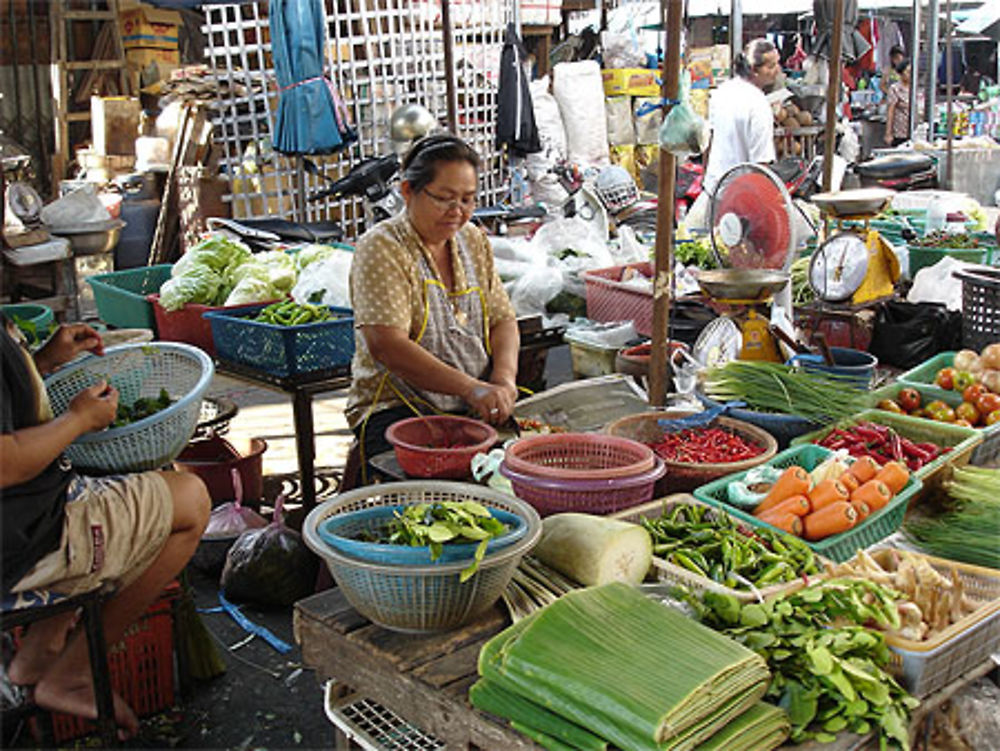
[(187, 325), (610, 299), (141, 664)]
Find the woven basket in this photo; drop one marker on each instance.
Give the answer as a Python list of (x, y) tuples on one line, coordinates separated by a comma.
[(421, 598), (682, 476), (578, 456), (136, 370)]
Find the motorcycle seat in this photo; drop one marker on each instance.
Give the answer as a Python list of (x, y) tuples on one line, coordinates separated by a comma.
[(895, 165), (313, 232)]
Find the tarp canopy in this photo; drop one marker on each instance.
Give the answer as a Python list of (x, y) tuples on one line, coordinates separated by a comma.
[(983, 20), (762, 7)]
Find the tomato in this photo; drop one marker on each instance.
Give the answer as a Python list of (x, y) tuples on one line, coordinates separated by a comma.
[(890, 406), (993, 417), (934, 406), (967, 411), (909, 399), (920, 412), (973, 392), (945, 378), (945, 414), (963, 423), (962, 380), (988, 402)]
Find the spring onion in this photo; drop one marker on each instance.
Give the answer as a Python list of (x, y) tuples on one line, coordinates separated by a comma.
[(773, 387)]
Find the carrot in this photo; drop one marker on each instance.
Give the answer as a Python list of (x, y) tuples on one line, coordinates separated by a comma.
[(864, 469), (797, 504), (793, 481), (874, 492), (826, 492), (895, 475), (838, 517), (849, 481), (862, 508), (783, 520)]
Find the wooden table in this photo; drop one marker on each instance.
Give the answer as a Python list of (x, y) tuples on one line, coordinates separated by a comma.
[(425, 679)]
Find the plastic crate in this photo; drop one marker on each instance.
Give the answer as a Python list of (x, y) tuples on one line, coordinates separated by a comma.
[(840, 547), (141, 666), (121, 296), (588, 359), (188, 324), (610, 299), (666, 571), (985, 453), (282, 350), (961, 440), (923, 257), (980, 307), (921, 377)]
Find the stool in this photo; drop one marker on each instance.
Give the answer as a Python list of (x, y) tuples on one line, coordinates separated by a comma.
[(26, 266), (25, 608)]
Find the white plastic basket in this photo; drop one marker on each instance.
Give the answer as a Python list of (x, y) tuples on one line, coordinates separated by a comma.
[(136, 370)]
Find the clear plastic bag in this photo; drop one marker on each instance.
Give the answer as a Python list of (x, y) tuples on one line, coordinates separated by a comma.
[(231, 518), (327, 282), (684, 132)]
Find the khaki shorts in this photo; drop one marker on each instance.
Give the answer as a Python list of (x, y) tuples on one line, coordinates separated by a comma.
[(114, 528)]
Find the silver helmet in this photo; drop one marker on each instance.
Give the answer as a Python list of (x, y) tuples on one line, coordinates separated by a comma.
[(410, 123)]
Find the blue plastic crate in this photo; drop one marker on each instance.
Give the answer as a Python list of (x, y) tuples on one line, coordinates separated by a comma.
[(840, 547), (282, 350)]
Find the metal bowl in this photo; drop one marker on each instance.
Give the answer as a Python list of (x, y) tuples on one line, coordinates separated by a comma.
[(859, 202), (91, 238), (741, 284)]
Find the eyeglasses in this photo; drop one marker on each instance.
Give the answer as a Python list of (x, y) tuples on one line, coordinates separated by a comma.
[(466, 205)]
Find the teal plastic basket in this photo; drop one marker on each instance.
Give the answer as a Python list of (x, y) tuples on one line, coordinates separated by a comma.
[(120, 296), (282, 350), (923, 257), (33, 319), (136, 370), (840, 547), (921, 378)]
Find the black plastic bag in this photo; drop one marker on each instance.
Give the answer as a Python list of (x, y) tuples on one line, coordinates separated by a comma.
[(906, 333), (270, 566)]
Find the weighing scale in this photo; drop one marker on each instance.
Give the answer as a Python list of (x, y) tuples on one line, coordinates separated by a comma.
[(855, 264), (753, 242)]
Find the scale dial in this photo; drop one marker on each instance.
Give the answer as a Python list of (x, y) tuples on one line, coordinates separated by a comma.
[(839, 267)]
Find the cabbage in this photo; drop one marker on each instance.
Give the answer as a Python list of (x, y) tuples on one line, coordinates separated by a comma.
[(197, 284), (237, 274), (312, 253), (251, 289), (280, 270), (218, 252)]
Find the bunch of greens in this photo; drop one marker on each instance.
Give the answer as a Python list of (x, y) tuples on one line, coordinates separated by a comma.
[(941, 239), (696, 252), (972, 506), (828, 670), (141, 408), (802, 292), (773, 387), (34, 335), (437, 524)]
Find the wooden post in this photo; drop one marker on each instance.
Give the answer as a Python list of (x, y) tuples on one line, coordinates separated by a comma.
[(671, 14), (451, 92), (949, 99), (833, 95), (933, 31)]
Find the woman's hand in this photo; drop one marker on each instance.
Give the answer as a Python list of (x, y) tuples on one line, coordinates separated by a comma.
[(69, 341), (491, 401), (95, 407), (888, 137)]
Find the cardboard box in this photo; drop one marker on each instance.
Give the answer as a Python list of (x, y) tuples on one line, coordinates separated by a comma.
[(149, 65), (631, 82), (114, 124), (147, 26), (541, 12)]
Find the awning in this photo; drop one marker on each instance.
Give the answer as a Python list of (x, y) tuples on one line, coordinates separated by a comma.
[(983, 20)]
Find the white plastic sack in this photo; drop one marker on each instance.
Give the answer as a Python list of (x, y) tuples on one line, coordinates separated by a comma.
[(579, 89), (589, 250), (937, 284), (548, 120), (327, 282), (82, 206), (534, 289), (618, 110), (622, 50), (647, 125)]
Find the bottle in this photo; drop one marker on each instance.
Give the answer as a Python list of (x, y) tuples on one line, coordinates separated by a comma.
[(936, 217)]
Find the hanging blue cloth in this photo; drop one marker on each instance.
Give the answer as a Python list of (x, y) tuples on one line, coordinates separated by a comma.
[(312, 118)]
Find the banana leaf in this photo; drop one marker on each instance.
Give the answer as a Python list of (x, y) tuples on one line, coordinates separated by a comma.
[(760, 728)]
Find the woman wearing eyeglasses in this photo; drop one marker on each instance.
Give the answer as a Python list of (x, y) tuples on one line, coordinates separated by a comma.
[(435, 329)]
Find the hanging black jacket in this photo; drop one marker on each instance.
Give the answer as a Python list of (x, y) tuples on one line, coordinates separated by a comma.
[(515, 116)]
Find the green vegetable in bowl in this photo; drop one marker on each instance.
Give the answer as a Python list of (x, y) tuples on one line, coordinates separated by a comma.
[(141, 408), (939, 239)]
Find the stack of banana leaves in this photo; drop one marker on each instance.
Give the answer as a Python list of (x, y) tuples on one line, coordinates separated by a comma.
[(605, 665)]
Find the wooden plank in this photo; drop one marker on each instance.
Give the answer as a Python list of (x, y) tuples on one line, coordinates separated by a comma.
[(331, 609), (457, 666)]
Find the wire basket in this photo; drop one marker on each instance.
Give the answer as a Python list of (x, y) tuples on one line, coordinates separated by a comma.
[(839, 547), (601, 496), (681, 476), (136, 370), (980, 307), (578, 456), (421, 598)]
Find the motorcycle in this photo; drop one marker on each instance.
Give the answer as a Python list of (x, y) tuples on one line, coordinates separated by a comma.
[(905, 170)]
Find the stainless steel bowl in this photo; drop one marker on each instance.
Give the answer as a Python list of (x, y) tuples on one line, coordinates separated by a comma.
[(860, 202), (91, 238), (741, 284)]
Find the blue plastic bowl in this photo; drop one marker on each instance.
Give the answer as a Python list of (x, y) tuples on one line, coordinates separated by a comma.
[(340, 532), (853, 365)]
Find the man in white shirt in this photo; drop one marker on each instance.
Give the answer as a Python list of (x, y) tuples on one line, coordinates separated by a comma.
[(741, 120)]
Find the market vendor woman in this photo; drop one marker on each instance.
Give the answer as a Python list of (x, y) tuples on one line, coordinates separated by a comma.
[(435, 329)]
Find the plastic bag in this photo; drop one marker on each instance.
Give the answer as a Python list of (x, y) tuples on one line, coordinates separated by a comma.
[(270, 566), (534, 289), (684, 132), (622, 50), (576, 247), (231, 519), (907, 334), (328, 281)]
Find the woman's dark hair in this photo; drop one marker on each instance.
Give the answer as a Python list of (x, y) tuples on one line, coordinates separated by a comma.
[(896, 50), (902, 65), (421, 161), (752, 57)]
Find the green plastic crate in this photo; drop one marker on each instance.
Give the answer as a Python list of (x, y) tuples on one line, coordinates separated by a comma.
[(921, 377), (985, 453), (121, 295), (961, 440), (840, 547), (923, 257)]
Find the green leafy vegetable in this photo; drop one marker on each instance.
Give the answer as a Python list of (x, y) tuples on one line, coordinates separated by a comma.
[(141, 408)]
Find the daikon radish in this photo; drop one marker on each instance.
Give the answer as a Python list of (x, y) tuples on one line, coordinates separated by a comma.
[(594, 549)]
